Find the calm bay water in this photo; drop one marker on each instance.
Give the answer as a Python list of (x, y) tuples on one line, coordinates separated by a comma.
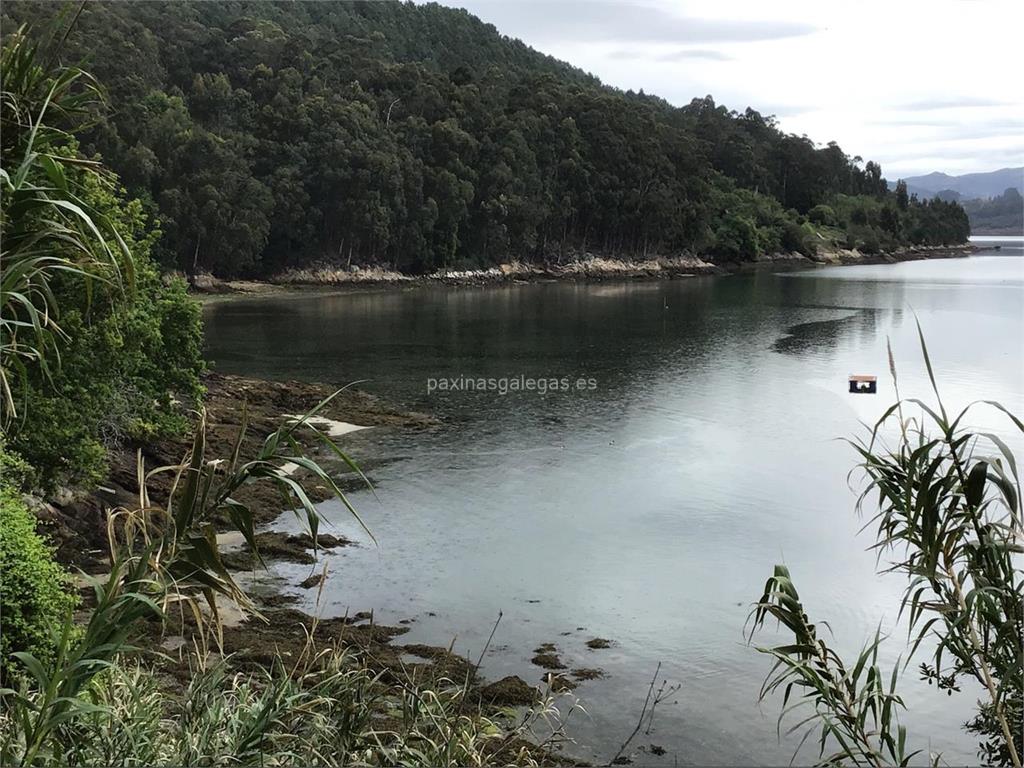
[(650, 509)]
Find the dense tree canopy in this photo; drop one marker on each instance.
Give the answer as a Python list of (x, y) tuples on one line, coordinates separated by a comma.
[(265, 135)]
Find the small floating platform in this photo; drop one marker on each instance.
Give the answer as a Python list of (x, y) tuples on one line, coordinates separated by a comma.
[(863, 385)]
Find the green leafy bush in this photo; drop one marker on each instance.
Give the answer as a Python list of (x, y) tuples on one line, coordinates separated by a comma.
[(127, 355), (33, 588), (15, 472), (97, 349), (824, 215), (736, 236), (794, 237), (864, 238)]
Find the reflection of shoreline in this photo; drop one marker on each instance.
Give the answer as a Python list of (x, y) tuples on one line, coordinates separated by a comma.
[(813, 334)]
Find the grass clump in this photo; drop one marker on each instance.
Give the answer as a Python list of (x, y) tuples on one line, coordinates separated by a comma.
[(327, 708)]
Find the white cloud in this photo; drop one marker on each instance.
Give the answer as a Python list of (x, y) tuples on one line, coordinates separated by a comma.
[(611, 20), (857, 73)]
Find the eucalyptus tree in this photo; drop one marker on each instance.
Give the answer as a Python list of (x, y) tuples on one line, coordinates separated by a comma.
[(270, 135)]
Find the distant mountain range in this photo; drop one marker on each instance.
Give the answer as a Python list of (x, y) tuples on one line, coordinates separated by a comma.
[(968, 186)]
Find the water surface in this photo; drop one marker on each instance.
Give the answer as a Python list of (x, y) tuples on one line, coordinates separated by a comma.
[(648, 510)]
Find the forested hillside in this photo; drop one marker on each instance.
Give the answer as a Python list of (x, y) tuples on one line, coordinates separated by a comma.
[(1002, 215), (271, 135)]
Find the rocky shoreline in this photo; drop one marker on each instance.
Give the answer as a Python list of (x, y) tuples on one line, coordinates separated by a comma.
[(76, 524), (282, 633), (75, 519), (587, 268)]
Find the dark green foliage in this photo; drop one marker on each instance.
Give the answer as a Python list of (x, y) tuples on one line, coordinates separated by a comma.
[(736, 237), (864, 238), (797, 238), (269, 135), (998, 215), (877, 223), (937, 222), (993, 748), (902, 199), (95, 345), (823, 214), (126, 355), (15, 473), (47, 231), (34, 595)]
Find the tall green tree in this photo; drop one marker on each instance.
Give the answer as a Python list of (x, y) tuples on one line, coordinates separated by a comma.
[(265, 135)]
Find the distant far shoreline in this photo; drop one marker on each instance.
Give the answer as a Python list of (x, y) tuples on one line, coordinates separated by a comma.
[(594, 269)]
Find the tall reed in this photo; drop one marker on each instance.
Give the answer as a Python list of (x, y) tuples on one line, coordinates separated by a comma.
[(159, 557), (948, 517), (47, 229)]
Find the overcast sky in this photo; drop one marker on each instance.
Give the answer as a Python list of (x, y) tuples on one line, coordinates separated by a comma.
[(917, 86)]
